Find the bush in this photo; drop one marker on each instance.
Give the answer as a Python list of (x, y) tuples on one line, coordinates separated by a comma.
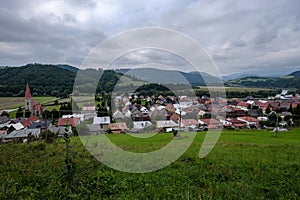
[(48, 136)]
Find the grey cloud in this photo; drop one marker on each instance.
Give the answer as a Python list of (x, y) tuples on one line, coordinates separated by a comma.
[(239, 35)]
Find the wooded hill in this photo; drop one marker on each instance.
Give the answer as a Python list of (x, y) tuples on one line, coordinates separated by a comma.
[(46, 79), (291, 81)]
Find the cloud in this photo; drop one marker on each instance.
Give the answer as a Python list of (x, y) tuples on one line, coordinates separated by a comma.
[(239, 35)]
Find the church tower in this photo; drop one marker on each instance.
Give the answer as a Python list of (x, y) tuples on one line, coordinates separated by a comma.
[(28, 100)]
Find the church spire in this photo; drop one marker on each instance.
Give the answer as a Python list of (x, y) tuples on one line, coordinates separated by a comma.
[(27, 93)]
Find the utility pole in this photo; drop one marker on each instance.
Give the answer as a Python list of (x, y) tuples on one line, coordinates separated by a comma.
[(179, 124), (276, 131)]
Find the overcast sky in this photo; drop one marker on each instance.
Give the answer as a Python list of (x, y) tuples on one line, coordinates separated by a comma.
[(261, 37)]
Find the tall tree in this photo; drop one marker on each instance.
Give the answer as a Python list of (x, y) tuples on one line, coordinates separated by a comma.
[(27, 113), (19, 113)]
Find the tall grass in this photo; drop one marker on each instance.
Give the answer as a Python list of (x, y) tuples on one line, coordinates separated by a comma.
[(243, 165)]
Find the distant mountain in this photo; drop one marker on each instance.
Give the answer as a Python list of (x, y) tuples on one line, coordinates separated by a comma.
[(155, 75), (266, 82), (296, 73), (236, 76), (122, 71)]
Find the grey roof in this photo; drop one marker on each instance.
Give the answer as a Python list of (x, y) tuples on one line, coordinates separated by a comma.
[(20, 119), (4, 119), (39, 124), (58, 129), (23, 133)]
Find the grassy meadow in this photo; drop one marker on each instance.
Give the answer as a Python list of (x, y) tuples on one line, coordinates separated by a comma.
[(243, 165), (15, 102)]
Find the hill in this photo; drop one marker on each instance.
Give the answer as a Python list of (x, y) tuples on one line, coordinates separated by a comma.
[(236, 76), (54, 80), (296, 73), (68, 67), (266, 82), (160, 76), (43, 79)]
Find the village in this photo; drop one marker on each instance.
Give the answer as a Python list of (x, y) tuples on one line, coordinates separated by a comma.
[(142, 114)]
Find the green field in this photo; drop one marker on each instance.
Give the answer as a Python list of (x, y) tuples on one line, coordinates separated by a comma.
[(243, 165), (15, 102)]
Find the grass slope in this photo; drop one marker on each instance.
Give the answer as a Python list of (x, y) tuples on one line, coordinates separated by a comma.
[(243, 165)]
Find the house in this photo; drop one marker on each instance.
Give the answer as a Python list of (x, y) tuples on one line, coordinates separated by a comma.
[(210, 123), (141, 124), (167, 125), (29, 121), (96, 129), (118, 127), (235, 112), (243, 105), (102, 122), (251, 121), (118, 115), (68, 122), (234, 123), (262, 104), (189, 124), (255, 112), (4, 120), (137, 115), (17, 120), (80, 116), (175, 117), (59, 130), (89, 111), (43, 125), (12, 127), (22, 134)]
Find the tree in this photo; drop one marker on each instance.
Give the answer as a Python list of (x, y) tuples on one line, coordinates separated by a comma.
[(27, 113), (48, 136), (54, 114), (268, 109), (272, 118), (19, 113), (102, 110), (46, 114), (290, 109), (296, 110)]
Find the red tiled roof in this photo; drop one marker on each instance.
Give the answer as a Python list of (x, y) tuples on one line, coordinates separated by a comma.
[(36, 105), (117, 126), (243, 104), (29, 121), (175, 117), (68, 121), (26, 123), (211, 121), (262, 104), (238, 125), (249, 119), (189, 122), (33, 118)]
